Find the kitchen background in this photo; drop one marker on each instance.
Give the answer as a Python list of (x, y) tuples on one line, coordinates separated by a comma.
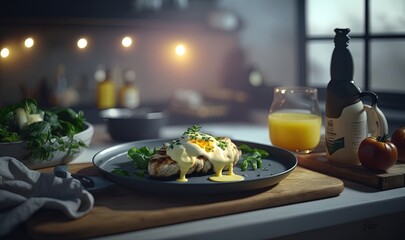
[(235, 52)]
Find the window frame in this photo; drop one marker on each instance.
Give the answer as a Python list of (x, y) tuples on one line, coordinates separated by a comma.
[(386, 99)]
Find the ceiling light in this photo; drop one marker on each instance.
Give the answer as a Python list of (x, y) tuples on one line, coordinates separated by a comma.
[(29, 42), (180, 50), (4, 52), (126, 41), (82, 43)]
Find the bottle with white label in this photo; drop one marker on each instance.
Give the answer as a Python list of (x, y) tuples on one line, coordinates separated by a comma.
[(129, 93), (348, 121)]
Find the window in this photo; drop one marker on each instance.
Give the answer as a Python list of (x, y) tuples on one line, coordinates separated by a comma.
[(377, 44)]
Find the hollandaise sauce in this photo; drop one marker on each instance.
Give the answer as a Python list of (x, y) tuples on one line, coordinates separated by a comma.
[(220, 153), (230, 177)]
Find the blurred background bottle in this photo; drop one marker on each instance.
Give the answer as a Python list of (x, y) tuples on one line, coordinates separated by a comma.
[(129, 93), (60, 84), (65, 94), (106, 92)]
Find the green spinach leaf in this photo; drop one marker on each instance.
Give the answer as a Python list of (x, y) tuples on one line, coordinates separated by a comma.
[(251, 157)]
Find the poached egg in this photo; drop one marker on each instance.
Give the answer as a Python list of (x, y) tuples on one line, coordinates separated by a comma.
[(221, 152)]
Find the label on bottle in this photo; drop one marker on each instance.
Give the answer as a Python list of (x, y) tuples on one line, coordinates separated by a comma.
[(334, 145), (343, 135)]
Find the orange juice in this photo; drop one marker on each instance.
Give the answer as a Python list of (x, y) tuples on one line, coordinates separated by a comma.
[(295, 131)]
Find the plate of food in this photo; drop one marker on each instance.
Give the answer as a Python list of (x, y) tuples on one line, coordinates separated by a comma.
[(195, 163)]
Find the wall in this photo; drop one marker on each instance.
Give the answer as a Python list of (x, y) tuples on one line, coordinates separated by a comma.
[(158, 71), (266, 40), (269, 37)]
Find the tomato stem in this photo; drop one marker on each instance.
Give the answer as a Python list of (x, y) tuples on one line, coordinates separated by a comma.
[(382, 138)]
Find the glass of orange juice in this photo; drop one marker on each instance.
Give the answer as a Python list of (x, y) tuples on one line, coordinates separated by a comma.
[(295, 119)]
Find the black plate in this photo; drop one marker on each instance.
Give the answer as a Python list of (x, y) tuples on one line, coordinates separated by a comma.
[(275, 168)]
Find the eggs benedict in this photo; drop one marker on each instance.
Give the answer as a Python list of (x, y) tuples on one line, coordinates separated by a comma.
[(196, 152)]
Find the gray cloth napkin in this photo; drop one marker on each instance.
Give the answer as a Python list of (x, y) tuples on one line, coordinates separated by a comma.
[(24, 191)]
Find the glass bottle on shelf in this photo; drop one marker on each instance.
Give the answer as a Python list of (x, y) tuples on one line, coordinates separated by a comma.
[(129, 93), (106, 96), (60, 84)]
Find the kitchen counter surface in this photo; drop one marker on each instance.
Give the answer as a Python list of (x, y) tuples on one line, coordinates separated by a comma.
[(359, 211)]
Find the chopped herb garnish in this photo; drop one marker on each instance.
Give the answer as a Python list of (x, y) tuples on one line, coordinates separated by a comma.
[(192, 130), (221, 143), (193, 134)]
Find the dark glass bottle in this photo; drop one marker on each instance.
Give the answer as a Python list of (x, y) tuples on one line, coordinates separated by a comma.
[(348, 121), (341, 90)]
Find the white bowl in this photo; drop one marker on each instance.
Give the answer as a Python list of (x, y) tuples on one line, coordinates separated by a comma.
[(19, 150)]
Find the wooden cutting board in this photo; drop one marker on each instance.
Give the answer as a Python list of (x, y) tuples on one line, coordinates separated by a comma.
[(392, 178), (120, 210)]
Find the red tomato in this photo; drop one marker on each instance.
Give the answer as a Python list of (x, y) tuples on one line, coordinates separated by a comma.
[(377, 154), (398, 139)]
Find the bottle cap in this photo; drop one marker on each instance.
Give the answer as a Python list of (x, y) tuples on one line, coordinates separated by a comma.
[(129, 76), (341, 37), (100, 75)]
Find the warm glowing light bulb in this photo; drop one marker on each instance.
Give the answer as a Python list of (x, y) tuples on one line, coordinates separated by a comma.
[(29, 42), (4, 52), (126, 41), (82, 43), (180, 50)]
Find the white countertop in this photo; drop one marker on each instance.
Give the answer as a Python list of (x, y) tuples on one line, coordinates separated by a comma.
[(355, 203)]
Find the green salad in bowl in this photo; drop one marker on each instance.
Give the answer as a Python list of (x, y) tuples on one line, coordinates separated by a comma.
[(42, 138)]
